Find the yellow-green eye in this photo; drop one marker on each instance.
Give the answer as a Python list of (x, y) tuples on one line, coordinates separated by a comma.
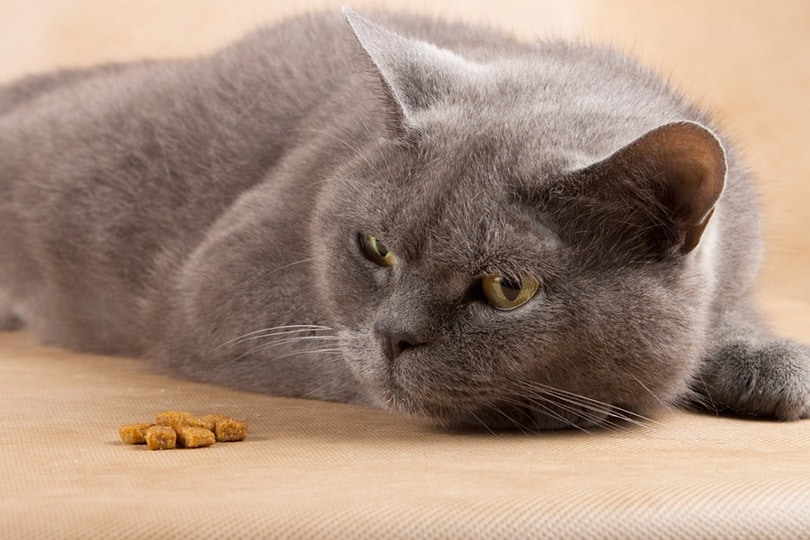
[(505, 293), (376, 251)]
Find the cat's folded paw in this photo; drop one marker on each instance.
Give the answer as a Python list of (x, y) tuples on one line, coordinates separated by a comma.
[(764, 378)]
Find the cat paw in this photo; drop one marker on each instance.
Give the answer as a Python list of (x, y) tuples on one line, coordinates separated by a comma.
[(761, 378)]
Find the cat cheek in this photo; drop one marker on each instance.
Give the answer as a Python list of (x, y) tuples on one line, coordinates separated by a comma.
[(366, 360), (344, 303), (379, 278)]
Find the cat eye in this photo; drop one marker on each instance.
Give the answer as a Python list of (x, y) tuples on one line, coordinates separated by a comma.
[(376, 251), (507, 293)]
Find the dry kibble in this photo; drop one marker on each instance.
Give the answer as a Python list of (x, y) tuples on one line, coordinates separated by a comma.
[(209, 421), (194, 437), (183, 429), (160, 438), (227, 430), (174, 419), (134, 433)]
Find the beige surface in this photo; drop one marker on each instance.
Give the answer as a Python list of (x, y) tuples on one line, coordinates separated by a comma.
[(316, 469)]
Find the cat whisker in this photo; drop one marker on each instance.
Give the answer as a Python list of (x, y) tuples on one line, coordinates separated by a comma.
[(542, 397), (482, 423), (593, 404), (284, 267), (537, 406), (229, 363), (312, 351), (521, 427), (644, 386), (592, 417), (286, 326), (573, 404), (271, 334), (703, 399), (286, 341), (600, 415), (291, 328)]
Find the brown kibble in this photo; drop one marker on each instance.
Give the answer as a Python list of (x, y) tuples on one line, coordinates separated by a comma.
[(174, 419), (134, 433), (183, 429), (160, 438), (194, 437), (228, 430), (209, 421)]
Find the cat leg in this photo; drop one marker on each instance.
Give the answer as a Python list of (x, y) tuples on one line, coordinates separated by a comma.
[(752, 372)]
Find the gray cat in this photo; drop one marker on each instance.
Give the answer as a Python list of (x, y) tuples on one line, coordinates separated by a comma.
[(427, 217)]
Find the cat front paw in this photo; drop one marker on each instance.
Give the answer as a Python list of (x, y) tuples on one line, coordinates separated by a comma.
[(768, 378)]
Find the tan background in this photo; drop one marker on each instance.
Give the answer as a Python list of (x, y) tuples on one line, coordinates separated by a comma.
[(316, 469)]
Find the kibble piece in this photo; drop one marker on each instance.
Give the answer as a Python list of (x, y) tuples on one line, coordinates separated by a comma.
[(194, 437), (134, 433), (160, 438), (209, 421), (228, 430), (174, 419), (183, 429)]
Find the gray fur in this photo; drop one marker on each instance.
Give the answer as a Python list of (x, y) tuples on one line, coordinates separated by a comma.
[(205, 213)]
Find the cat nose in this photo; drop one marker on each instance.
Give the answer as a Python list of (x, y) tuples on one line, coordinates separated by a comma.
[(395, 341)]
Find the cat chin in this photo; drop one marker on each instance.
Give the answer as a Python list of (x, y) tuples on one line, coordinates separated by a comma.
[(514, 418), (514, 414), (523, 418)]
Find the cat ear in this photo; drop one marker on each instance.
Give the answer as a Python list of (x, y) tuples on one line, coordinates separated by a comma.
[(676, 172), (414, 74)]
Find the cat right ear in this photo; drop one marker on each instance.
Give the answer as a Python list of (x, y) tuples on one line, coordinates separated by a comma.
[(415, 75), (659, 192)]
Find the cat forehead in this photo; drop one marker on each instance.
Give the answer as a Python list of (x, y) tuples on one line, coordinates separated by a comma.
[(471, 223), (455, 198), (547, 108)]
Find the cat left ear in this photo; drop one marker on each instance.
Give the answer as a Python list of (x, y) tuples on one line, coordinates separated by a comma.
[(414, 74), (679, 167)]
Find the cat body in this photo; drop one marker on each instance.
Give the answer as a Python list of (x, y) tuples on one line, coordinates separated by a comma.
[(423, 216)]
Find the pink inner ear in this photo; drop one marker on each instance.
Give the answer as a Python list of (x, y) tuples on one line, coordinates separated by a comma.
[(696, 166), (691, 163)]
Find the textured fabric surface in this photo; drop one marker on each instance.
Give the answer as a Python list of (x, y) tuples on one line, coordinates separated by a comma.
[(311, 469)]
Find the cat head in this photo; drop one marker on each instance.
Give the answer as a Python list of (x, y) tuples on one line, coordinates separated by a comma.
[(520, 246)]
